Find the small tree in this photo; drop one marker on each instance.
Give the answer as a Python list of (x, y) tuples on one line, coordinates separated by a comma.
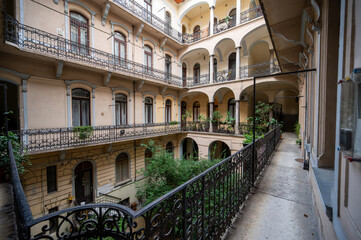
[(262, 116)]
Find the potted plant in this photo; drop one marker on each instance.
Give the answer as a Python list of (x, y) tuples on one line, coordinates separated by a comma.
[(248, 139), (230, 122), (227, 19), (202, 122), (21, 159), (83, 132), (216, 118), (298, 142)]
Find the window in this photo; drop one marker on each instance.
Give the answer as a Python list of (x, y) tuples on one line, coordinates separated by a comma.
[(196, 109), (148, 10), (232, 66), (168, 111), (147, 156), (196, 73), (148, 110), (122, 167), (80, 107), (168, 22), (79, 35), (169, 148), (168, 66), (215, 69), (184, 74), (121, 109), (51, 179), (233, 16), (55, 223), (196, 33), (231, 107), (120, 48), (148, 58)]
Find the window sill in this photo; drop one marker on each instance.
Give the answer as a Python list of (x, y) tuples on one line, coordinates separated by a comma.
[(122, 183), (324, 178)]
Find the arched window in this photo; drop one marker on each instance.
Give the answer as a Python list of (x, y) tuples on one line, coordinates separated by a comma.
[(147, 156), (148, 10), (122, 167), (80, 107), (79, 33), (196, 110), (196, 33), (169, 148), (231, 107), (148, 110), (233, 16), (120, 48), (184, 74), (168, 66), (196, 73), (232, 66), (168, 111), (148, 58), (168, 22), (121, 109)]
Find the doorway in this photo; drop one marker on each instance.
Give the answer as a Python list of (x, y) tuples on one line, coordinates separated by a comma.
[(83, 174)]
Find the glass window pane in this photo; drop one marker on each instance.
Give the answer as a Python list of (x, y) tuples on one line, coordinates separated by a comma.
[(117, 113), (76, 112), (85, 113)]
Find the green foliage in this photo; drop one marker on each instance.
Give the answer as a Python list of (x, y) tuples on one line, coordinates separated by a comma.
[(249, 137), (202, 118), (173, 123), (83, 132), (297, 128), (298, 142), (217, 117), (187, 114), (164, 172), (21, 159), (262, 117)]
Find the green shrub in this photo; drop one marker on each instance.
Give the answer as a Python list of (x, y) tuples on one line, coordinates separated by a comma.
[(83, 132), (297, 129)]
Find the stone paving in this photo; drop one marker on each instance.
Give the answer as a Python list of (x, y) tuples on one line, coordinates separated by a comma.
[(280, 206)]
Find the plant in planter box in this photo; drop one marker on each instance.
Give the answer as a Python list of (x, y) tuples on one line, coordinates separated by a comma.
[(216, 118), (83, 132), (249, 138), (173, 123), (229, 121), (21, 159)]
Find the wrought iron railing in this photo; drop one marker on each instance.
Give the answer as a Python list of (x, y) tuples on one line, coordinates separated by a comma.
[(221, 127), (245, 128), (258, 69), (197, 80), (224, 24), (225, 75), (38, 41), (35, 140), (194, 37), (148, 17), (250, 14), (200, 126), (201, 208)]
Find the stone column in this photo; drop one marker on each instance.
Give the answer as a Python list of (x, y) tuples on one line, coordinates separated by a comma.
[(211, 21), (238, 62), (271, 51), (211, 69), (236, 126), (210, 116), (238, 12)]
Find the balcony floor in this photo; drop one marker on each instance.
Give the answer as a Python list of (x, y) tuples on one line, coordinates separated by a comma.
[(281, 205)]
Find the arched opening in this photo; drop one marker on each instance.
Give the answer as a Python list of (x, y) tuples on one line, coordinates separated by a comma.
[(120, 109), (232, 14), (168, 22), (168, 111), (122, 167), (189, 149), (168, 66), (120, 48), (80, 107), (232, 66), (215, 69), (148, 58), (184, 74), (83, 174), (79, 33), (232, 108), (183, 111), (196, 73), (196, 33), (169, 148), (288, 101), (219, 150), (148, 111), (184, 29), (12, 100), (196, 111)]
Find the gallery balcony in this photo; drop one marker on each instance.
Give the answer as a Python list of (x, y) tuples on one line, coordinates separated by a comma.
[(201, 208)]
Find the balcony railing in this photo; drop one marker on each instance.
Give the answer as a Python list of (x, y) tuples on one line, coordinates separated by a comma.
[(190, 38), (35, 140), (225, 75), (197, 80), (201, 208), (223, 25), (200, 126), (148, 17), (250, 14), (38, 41), (258, 70)]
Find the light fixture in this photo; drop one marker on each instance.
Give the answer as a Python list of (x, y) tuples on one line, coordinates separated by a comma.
[(200, 11)]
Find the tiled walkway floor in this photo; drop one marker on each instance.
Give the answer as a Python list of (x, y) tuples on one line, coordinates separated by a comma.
[(281, 206)]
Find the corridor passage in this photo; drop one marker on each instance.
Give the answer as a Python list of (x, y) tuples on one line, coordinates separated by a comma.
[(281, 204)]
